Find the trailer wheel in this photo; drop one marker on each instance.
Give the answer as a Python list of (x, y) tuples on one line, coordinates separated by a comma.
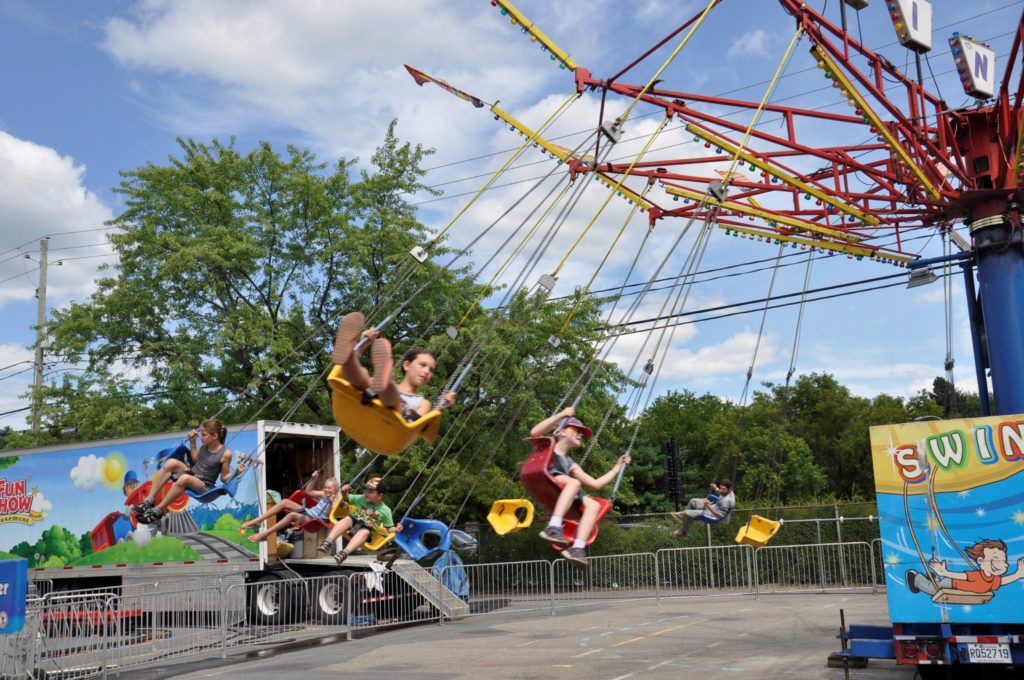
[(273, 600), (330, 605)]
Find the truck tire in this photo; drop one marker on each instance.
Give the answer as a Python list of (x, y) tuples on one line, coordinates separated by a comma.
[(274, 601), (330, 600)]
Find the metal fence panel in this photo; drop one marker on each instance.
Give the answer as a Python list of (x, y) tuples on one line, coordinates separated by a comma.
[(705, 571), (403, 594), (607, 577), (504, 587), (828, 566)]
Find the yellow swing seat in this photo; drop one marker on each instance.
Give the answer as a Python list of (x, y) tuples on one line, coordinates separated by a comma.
[(378, 537), (758, 531), (509, 515), (374, 426)]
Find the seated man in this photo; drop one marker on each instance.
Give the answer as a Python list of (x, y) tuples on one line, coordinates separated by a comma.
[(716, 508)]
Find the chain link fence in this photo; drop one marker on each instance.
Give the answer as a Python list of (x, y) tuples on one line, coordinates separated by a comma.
[(849, 522)]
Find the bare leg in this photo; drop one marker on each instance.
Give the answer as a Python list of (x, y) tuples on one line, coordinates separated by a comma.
[(343, 525), (570, 488), (273, 512), (288, 519), (384, 374), (169, 467), (186, 481), (588, 519), (357, 541)]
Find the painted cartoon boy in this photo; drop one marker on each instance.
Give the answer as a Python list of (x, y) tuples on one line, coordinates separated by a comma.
[(992, 562)]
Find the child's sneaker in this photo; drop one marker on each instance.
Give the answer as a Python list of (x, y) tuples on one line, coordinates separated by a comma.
[(576, 556), (348, 330), (554, 534), (341, 557), (151, 516), (327, 546), (383, 365), (141, 509)]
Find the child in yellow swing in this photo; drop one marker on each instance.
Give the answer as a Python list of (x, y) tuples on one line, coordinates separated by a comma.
[(417, 364), (369, 514), (571, 478)]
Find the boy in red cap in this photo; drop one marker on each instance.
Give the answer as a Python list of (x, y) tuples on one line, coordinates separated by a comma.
[(571, 477)]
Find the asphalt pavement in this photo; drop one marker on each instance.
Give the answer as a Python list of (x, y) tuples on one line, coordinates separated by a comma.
[(785, 636)]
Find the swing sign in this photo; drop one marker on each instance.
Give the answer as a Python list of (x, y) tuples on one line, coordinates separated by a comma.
[(952, 525), (980, 652), (13, 592)]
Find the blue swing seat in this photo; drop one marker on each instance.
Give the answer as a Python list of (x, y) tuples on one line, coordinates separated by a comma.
[(413, 533), (181, 452), (709, 519)]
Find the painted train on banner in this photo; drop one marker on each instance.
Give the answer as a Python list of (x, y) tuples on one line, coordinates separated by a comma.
[(71, 506), (951, 505)]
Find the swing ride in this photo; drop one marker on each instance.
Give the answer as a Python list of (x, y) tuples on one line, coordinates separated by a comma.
[(901, 163)]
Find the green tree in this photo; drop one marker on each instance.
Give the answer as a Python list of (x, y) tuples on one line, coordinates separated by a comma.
[(233, 271)]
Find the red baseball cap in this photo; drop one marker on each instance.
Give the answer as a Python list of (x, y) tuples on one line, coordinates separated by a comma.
[(577, 424)]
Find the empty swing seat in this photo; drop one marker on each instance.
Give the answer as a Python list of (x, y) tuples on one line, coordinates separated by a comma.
[(758, 531), (373, 425), (539, 483), (378, 538), (417, 533), (509, 515)]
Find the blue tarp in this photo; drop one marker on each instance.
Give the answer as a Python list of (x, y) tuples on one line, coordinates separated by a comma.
[(454, 579)]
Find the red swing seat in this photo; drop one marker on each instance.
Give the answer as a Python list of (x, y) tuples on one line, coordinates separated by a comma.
[(307, 501), (541, 486)]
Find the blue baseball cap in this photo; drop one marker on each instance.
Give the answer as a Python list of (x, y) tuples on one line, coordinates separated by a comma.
[(130, 476)]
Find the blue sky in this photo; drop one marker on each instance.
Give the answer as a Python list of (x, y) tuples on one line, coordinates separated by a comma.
[(92, 89)]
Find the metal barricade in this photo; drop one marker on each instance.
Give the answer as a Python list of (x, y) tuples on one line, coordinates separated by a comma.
[(878, 564), (406, 593), (281, 607), (18, 650), (719, 570), (607, 577), (75, 634), (826, 566), (504, 587)]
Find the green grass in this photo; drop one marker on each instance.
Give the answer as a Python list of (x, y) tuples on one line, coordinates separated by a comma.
[(163, 549)]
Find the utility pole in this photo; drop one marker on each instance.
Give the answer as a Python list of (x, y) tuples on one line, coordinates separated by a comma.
[(40, 333)]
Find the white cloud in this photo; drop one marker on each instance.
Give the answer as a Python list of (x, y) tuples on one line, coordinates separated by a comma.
[(88, 474), (753, 43), (43, 193), (332, 71)]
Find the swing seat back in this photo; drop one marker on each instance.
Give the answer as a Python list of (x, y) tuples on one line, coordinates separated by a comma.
[(229, 488), (374, 426), (540, 484), (510, 515), (306, 501), (758, 531), (416, 533), (378, 537)]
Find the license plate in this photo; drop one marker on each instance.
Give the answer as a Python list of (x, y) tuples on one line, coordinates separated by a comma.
[(988, 653)]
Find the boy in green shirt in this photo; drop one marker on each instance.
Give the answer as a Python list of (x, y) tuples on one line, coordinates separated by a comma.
[(369, 515)]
